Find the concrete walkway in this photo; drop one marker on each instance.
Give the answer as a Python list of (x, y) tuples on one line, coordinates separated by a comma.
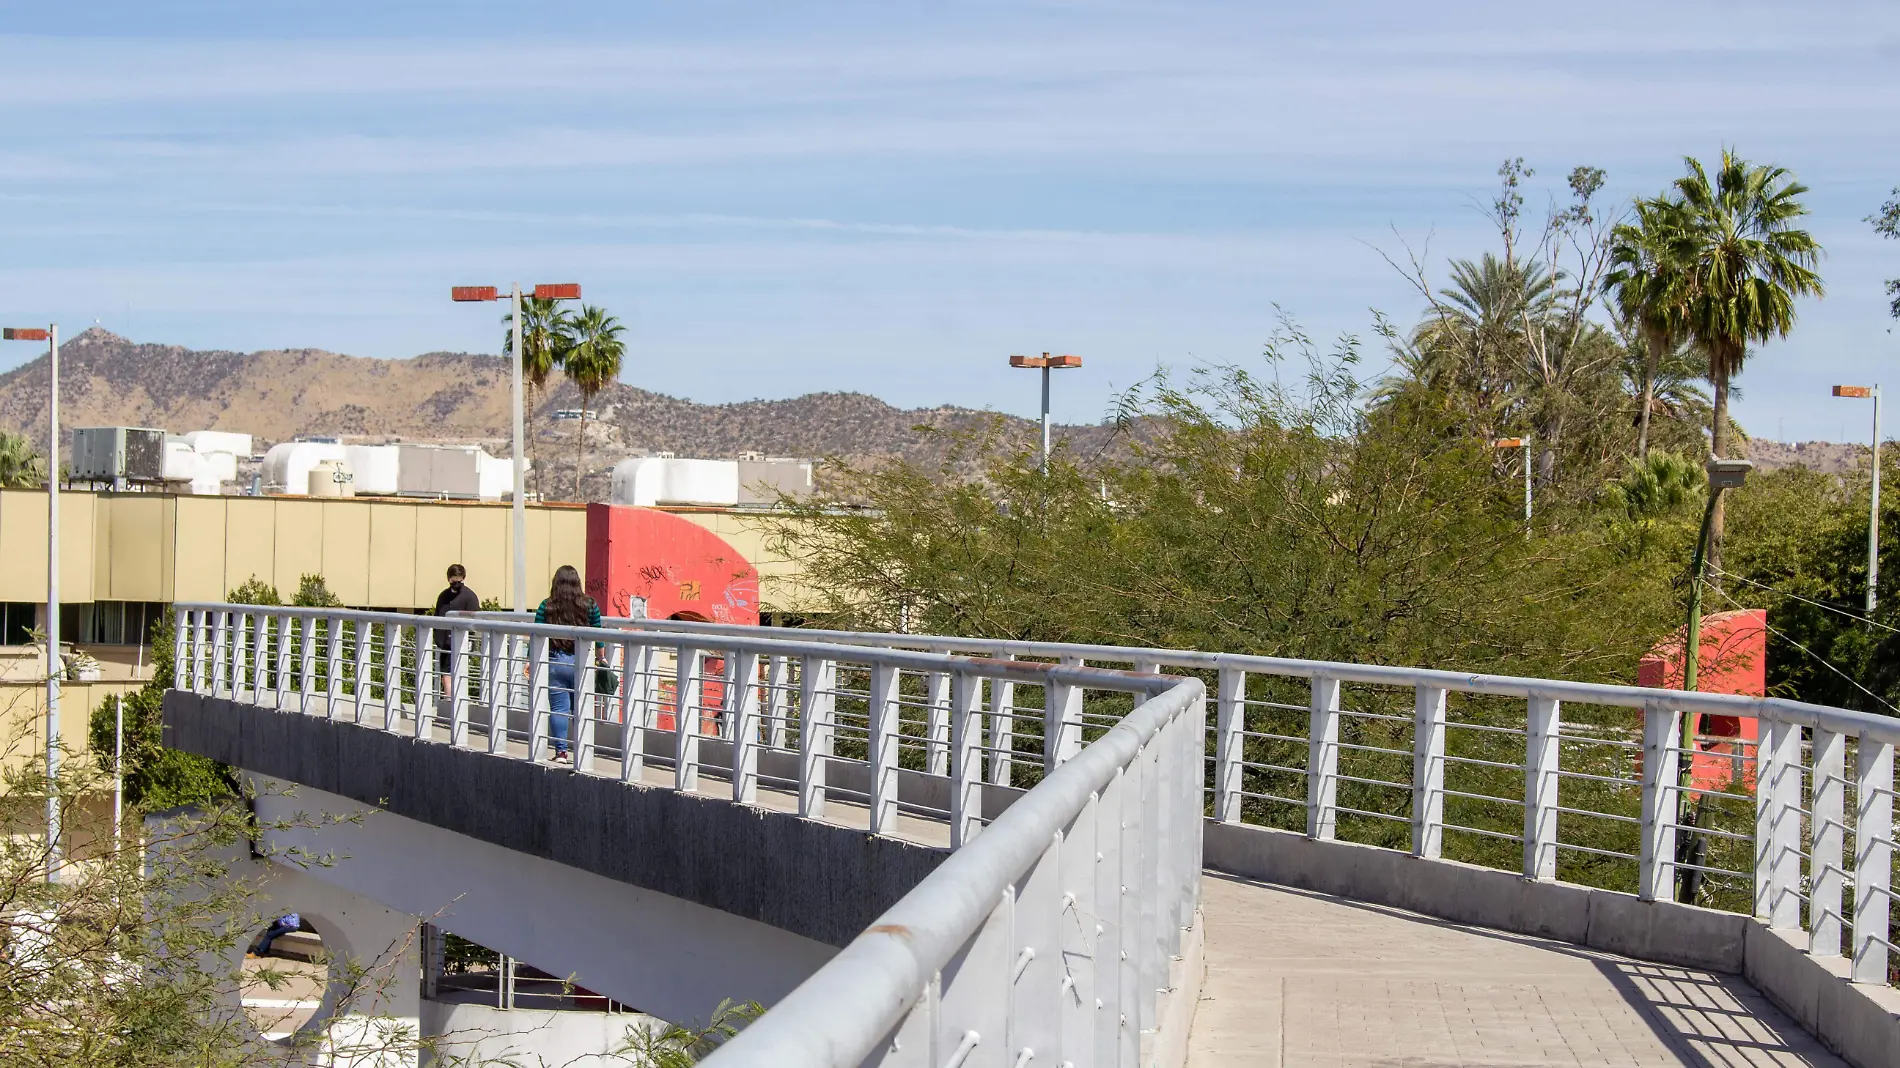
[(1297, 979)]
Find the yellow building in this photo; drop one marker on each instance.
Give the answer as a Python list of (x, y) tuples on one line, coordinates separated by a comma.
[(125, 556)]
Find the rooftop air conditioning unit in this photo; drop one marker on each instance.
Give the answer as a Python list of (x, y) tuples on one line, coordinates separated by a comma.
[(438, 471), (118, 454)]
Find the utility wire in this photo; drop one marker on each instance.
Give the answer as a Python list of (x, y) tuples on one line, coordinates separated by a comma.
[(1818, 658), (1856, 617)]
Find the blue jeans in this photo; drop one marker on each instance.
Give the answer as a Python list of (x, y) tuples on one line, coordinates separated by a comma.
[(277, 929), (560, 697)]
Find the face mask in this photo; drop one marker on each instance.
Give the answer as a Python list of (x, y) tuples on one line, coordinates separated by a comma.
[(456, 585)]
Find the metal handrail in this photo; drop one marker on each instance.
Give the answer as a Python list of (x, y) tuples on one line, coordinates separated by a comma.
[(858, 999), (1782, 710), (923, 661), (1106, 833), (1780, 763)]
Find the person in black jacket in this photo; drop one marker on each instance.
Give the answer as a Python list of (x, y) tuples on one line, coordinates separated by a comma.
[(456, 598)]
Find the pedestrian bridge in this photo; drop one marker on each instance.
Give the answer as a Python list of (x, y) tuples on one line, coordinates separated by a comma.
[(945, 851)]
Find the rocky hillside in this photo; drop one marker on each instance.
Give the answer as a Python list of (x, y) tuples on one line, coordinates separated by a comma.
[(106, 380), (1828, 457)]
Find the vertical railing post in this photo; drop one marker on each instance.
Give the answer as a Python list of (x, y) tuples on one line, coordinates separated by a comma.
[(1092, 932), (184, 668), (745, 727), (392, 675), (883, 748), (937, 724), (500, 677), (306, 661), (636, 685), (1061, 720), (580, 729), (460, 642), (1541, 737), (425, 681), (971, 1015), (281, 659), (1322, 760), (686, 711), (1002, 729), (1656, 864), (252, 663), (540, 708), (333, 664), (360, 656), (1873, 857), (1038, 1001), (966, 758), (260, 654), (187, 649), (1428, 772), (1778, 826), (1230, 743), (1122, 1016), (220, 665), (817, 712), (778, 703), (1826, 852), (728, 688)]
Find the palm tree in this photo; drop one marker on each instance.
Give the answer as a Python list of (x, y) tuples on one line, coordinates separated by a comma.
[(1744, 262), (1649, 288), (21, 465), (547, 336), (593, 360), (1677, 399)]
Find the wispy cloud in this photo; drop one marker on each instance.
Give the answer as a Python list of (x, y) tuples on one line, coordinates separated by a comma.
[(790, 194)]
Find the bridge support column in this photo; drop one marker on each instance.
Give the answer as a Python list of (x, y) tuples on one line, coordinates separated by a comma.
[(367, 1007)]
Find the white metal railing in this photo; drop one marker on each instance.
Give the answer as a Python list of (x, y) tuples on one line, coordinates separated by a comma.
[(1045, 936), (1554, 779)]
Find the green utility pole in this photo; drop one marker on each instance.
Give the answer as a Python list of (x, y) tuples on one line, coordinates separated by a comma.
[(1723, 474)]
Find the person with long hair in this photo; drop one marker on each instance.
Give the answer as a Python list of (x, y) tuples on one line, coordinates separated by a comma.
[(567, 606)]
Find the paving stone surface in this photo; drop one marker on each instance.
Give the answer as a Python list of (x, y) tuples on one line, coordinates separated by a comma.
[(1300, 980)]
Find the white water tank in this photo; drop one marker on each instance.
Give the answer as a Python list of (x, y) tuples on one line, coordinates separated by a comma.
[(495, 475), (287, 465), (644, 481), (215, 441), (202, 474), (377, 469), (331, 478), (762, 481)]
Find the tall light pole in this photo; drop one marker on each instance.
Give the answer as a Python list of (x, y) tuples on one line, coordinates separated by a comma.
[(1046, 363), (1724, 474), (55, 667), (1525, 444), (1873, 509), (562, 291)]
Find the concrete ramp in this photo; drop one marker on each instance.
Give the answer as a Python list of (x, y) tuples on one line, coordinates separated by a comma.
[(1299, 978)]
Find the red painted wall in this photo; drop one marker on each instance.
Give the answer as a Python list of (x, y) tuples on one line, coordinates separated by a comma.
[(681, 568), (1734, 659)]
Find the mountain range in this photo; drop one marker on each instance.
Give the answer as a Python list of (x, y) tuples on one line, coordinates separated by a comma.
[(280, 394)]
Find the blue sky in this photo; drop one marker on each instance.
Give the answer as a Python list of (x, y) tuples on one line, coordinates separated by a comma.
[(893, 196)]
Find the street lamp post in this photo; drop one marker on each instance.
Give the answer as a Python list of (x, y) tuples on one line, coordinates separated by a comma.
[(1046, 363), (1525, 444), (1873, 509), (55, 667), (1723, 475), (563, 291)]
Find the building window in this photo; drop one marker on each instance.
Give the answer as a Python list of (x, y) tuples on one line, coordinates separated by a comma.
[(109, 622), (17, 620)]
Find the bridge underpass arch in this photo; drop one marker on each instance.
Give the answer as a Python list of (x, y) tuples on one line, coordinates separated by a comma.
[(660, 954)]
